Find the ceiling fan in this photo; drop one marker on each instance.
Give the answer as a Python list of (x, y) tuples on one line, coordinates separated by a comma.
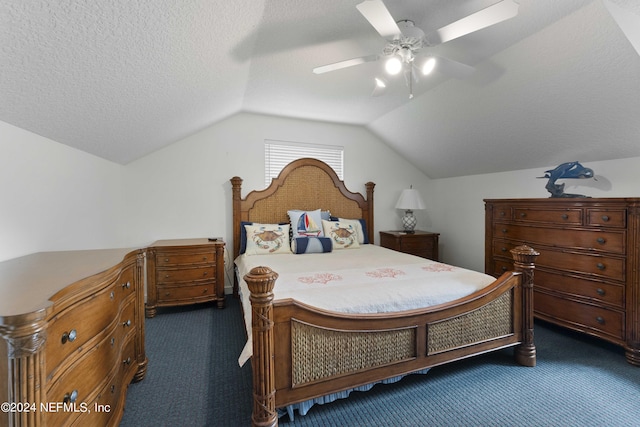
[(405, 42)]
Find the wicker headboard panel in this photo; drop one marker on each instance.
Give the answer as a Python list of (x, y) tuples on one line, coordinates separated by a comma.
[(305, 184)]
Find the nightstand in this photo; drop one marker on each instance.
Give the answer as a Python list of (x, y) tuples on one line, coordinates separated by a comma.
[(420, 243), (184, 271)]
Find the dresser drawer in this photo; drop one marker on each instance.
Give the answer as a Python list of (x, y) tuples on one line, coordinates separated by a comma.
[(607, 217), (579, 315), (605, 241), (596, 291), (565, 261), (83, 377), (180, 258), (552, 216), (176, 275), (71, 329), (167, 294)]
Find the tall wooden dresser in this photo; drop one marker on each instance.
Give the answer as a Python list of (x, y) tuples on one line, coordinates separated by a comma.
[(71, 336), (588, 272), (184, 271)]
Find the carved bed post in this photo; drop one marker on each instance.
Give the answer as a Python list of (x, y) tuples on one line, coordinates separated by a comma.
[(261, 281), (523, 260), (236, 187), (370, 186)]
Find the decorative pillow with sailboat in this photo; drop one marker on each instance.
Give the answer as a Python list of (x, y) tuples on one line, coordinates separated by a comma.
[(305, 223)]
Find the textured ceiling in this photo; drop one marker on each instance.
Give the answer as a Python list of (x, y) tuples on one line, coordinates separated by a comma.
[(120, 79)]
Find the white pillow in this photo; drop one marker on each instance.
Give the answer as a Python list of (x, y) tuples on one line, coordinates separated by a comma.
[(358, 226), (343, 235), (267, 239)]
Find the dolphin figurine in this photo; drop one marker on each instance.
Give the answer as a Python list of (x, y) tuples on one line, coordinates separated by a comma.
[(566, 170)]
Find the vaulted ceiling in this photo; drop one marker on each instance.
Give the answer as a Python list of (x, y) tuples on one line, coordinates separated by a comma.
[(559, 82)]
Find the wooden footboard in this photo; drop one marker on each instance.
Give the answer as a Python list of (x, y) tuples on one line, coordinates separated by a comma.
[(301, 352)]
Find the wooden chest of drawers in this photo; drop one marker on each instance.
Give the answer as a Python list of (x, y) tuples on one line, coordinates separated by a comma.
[(587, 275), (421, 243), (72, 328), (184, 271)]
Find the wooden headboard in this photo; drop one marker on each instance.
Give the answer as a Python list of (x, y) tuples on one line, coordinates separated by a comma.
[(305, 184)]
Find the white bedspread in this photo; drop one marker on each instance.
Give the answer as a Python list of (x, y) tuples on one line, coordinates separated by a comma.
[(369, 279)]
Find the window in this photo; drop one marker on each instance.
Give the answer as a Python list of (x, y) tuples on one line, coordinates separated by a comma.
[(278, 154)]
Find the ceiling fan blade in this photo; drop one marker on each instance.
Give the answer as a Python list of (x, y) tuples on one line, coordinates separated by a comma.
[(453, 68), (485, 18), (345, 64), (379, 17)]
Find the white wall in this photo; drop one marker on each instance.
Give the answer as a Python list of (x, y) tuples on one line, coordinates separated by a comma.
[(459, 215), (186, 190), (53, 197)]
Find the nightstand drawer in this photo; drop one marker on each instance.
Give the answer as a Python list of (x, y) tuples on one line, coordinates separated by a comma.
[(184, 293), (165, 259), (177, 275)]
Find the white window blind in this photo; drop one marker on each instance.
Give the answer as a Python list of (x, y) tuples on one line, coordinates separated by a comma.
[(278, 154)]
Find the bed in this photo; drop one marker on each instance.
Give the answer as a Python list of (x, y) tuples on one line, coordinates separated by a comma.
[(303, 349)]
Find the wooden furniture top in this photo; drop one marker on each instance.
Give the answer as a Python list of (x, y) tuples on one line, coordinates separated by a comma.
[(186, 242), (29, 284)]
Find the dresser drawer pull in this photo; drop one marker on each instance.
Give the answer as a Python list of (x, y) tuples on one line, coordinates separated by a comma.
[(166, 276), (69, 336), (504, 230), (127, 361), (166, 260), (126, 285), (601, 240), (503, 249), (204, 273), (205, 291), (502, 213), (605, 218), (600, 291), (504, 268), (112, 295), (113, 342), (600, 266), (70, 397), (565, 216), (523, 215), (204, 258), (600, 320), (127, 323)]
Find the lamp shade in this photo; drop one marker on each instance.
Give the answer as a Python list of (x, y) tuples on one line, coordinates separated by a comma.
[(410, 200)]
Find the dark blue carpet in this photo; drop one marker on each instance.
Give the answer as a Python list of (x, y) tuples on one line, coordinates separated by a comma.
[(193, 379)]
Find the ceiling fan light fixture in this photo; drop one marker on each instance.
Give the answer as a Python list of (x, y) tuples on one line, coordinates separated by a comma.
[(393, 65), (428, 65)]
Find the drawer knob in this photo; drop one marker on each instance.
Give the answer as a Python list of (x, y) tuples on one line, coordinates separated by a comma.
[(504, 230), (113, 342), (127, 361), (502, 213), (565, 216), (204, 273), (523, 215), (127, 323), (605, 218), (112, 295), (167, 294), (504, 268), (601, 240), (126, 285), (166, 260), (503, 249), (69, 336), (205, 291), (600, 266), (600, 320), (204, 258), (113, 388), (70, 397), (166, 276), (600, 291)]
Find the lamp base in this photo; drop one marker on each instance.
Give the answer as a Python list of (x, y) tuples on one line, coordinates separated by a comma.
[(409, 222)]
